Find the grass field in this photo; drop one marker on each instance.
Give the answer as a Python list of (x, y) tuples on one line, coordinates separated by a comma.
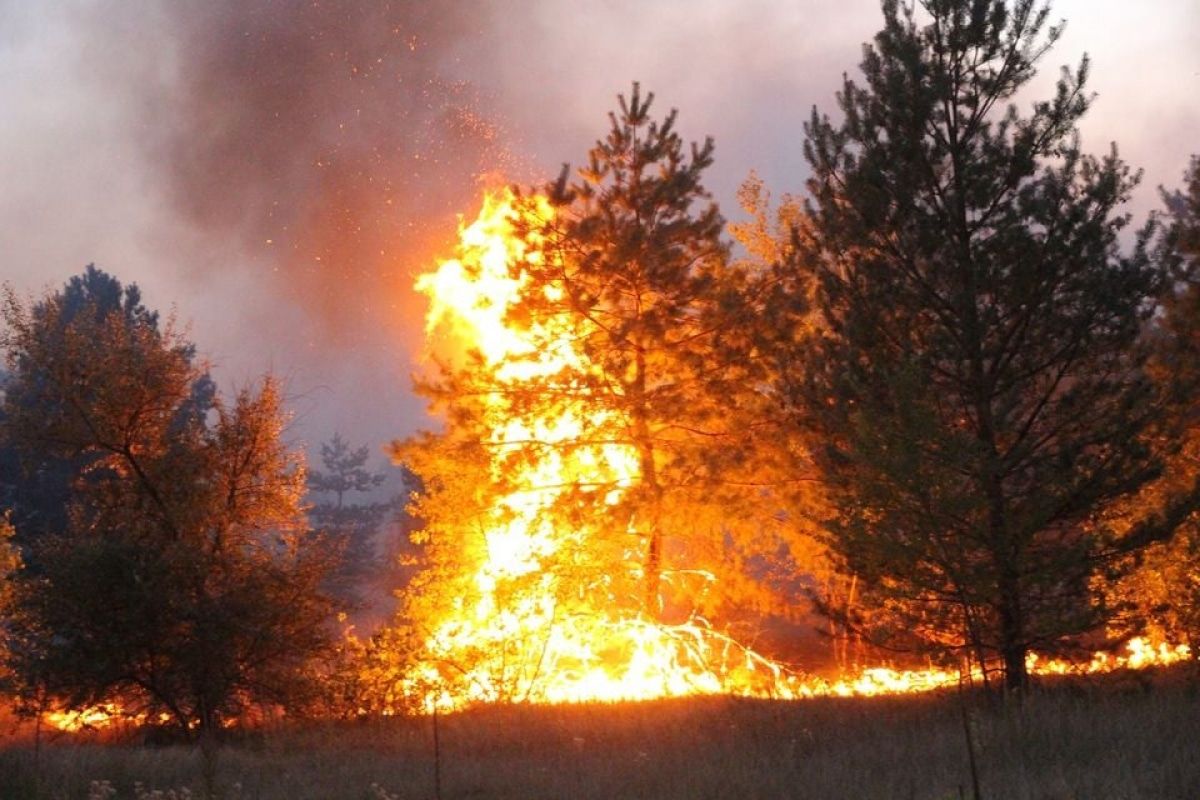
[(1116, 738)]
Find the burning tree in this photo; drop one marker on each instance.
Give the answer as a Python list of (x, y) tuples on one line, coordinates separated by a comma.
[(634, 263), (579, 506), (979, 395), (10, 563), (1162, 593)]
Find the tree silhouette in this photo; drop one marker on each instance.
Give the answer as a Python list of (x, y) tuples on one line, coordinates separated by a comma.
[(978, 394)]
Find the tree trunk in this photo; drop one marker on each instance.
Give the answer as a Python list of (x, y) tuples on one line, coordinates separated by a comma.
[(1012, 634), (1011, 606), (652, 566), (653, 572), (209, 749), (645, 447)]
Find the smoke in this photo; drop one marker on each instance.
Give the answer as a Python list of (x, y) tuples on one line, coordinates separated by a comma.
[(329, 138), (301, 161), (282, 169)]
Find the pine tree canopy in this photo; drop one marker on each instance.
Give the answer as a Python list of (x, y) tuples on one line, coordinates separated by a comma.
[(977, 394)]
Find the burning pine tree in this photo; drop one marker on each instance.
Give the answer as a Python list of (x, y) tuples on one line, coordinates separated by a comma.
[(578, 506)]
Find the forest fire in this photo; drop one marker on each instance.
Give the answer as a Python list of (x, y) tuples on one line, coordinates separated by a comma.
[(539, 599), (103, 716), (658, 666), (522, 628), (599, 649), (542, 604), (866, 467)]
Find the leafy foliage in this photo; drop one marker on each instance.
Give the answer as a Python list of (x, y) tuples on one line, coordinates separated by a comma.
[(10, 563), (36, 489), (184, 581)]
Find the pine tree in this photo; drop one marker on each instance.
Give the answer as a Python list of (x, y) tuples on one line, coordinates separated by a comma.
[(639, 314), (1185, 207), (978, 394), (351, 526), (635, 267), (636, 260), (1161, 596)]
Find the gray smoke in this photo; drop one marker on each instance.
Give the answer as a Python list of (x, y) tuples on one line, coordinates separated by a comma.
[(278, 169), (329, 137), (282, 169)]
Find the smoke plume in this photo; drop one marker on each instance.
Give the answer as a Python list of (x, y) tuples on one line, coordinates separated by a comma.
[(329, 137)]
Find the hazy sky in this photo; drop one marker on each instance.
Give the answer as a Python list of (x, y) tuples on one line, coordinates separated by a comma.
[(278, 170)]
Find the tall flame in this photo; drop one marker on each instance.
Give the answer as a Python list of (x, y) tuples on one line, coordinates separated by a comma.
[(603, 649)]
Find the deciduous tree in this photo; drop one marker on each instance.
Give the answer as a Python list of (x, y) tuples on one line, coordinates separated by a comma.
[(36, 488), (184, 580)]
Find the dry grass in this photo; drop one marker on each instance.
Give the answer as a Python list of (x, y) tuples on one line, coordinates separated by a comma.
[(1118, 739)]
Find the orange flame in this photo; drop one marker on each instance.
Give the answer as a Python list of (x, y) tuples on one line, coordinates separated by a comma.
[(592, 653), (104, 715), (510, 638), (101, 716)]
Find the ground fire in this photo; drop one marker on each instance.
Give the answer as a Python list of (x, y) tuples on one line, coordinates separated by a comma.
[(525, 627)]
